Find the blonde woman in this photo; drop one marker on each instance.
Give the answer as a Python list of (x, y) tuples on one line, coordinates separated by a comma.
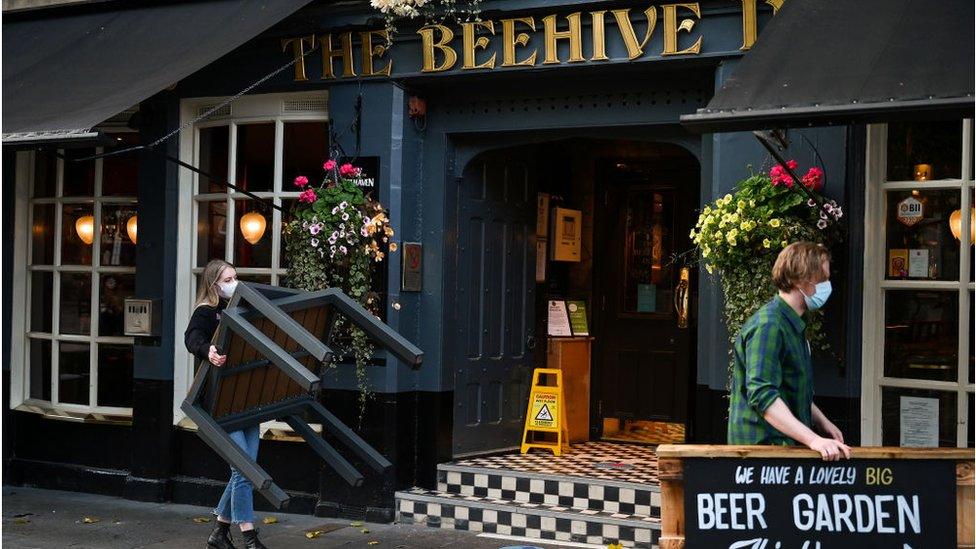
[(217, 285)]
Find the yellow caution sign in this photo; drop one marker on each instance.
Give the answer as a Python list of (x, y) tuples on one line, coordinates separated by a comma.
[(545, 413)]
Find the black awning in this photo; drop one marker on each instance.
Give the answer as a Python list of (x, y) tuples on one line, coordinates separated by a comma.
[(823, 62), (66, 71)]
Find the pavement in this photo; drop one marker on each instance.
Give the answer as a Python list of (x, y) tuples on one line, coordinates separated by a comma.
[(49, 519)]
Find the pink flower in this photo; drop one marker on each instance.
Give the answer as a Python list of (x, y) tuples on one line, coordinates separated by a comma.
[(301, 181), (329, 165), (307, 196), (779, 176), (347, 169), (813, 180)]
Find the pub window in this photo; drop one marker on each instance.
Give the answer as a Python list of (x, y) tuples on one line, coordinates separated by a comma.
[(260, 146), (80, 266), (917, 388)]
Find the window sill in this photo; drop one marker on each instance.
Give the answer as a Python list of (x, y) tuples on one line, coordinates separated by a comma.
[(270, 430), (53, 411)]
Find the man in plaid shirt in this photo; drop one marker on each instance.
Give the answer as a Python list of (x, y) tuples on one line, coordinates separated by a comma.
[(772, 383)]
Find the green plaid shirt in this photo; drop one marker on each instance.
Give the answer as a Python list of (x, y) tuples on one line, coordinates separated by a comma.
[(772, 360)]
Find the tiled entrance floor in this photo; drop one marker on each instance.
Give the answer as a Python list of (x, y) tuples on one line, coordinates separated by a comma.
[(597, 460)]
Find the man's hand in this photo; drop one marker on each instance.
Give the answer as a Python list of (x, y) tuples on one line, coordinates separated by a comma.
[(830, 449), (216, 358)]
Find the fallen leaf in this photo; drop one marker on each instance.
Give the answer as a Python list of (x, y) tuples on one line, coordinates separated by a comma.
[(90, 520), (270, 520), (313, 534), (356, 523), (364, 530), (373, 542), (21, 520), (201, 520)]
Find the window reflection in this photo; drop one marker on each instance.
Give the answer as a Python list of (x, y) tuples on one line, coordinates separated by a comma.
[(919, 243), (648, 245), (937, 144), (113, 291), (74, 372), (211, 231), (214, 157), (117, 247), (42, 235), (255, 157), (75, 309), (921, 334)]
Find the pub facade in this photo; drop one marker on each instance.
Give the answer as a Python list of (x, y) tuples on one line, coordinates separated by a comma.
[(531, 156)]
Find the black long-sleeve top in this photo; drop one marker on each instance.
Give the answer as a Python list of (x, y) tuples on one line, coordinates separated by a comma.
[(201, 328)]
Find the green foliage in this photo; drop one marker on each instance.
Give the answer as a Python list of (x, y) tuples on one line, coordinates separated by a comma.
[(335, 238), (740, 235)]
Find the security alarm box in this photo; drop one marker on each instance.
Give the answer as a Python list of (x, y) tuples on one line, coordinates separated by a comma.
[(142, 317)]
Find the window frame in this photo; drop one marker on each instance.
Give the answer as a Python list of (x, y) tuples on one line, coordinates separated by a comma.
[(277, 108), (876, 285), (21, 336)]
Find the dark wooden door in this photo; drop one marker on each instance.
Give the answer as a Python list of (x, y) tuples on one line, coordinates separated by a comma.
[(644, 358), (494, 303)]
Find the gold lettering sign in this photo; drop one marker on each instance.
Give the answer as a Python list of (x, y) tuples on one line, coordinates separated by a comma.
[(671, 28), (430, 47), (479, 45)]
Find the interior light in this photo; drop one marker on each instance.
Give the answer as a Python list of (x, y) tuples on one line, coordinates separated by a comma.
[(85, 227), (955, 224), (253, 225), (131, 227)]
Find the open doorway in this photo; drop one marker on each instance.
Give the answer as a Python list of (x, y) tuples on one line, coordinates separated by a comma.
[(636, 203)]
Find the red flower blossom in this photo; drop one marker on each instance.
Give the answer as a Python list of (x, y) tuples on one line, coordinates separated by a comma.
[(329, 165), (308, 196), (301, 181), (347, 170), (813, 180), (780, 176)]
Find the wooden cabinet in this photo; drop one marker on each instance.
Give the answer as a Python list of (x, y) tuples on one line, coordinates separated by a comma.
[(572, 356)]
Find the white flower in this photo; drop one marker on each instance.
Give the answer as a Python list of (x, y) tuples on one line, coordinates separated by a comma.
[(343, 249), (314, 242), (838, 213), (345, 217), (343, 205), (335, 210), (822, 224), (823, 215), (333, 239), (812, 203)]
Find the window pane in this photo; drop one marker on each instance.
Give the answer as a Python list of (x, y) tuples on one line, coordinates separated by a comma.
[(247, 254), (263, 279), (45, 174), (115, 375), (40, 369), (211, 231), (920, 244), (971, 335), (77, 221), (214, 156), (114, 289), (42, 231), (74, 372), (117, 248), (42, 300), (120, 173), (306, 148), (255, 157), (921, 334), (75, 303), (79, 177), (892, 406), (937, 144), (647, 246)]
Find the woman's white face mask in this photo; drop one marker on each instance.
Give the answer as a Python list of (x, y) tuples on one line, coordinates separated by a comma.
[(226, 289)]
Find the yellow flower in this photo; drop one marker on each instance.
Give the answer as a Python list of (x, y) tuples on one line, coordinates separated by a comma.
[(728, 198), (746, 226), (752, 203), (734, 218), (707, 210), (705, 252), (774, 222), (734, 233), (692, 234), (719, 235), (732, 242), (393, 247), (708, 268), (784, 243), (742, 204), (766, 243)]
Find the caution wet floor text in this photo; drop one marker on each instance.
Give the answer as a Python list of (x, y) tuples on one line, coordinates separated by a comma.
[(545, 416)]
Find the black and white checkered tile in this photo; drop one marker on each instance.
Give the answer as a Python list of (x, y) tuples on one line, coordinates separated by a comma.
[(524, 519), (567, 491)]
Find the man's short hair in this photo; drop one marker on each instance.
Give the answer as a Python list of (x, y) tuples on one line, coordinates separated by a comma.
[(799, 262)]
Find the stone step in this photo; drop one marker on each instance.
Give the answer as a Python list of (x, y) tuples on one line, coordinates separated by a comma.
[(574, 492), (533, 521)]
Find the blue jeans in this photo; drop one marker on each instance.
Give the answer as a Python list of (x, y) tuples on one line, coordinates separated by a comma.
[(237, 501)]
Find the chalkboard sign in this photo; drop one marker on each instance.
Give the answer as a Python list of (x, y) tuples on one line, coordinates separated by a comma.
[(786, 504)]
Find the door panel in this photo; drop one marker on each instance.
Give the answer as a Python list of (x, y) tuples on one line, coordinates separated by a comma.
[(644, 358), (494, 303)]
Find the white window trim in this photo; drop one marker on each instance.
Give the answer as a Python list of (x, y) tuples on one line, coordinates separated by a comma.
[(872, 350), (248, 109), (20, 398)]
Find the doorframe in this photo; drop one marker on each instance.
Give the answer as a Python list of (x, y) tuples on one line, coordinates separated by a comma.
[(461, 148)]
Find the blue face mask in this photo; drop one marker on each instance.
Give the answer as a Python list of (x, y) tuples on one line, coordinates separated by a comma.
[(820, 295)]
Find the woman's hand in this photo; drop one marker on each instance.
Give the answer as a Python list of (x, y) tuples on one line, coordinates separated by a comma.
[(216, 358)]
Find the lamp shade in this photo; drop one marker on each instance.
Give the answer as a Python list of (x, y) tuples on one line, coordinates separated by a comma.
[(955, 224), (131, 227), (85, 227), (253, 225)]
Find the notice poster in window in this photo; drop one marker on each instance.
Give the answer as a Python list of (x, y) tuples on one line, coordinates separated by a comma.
[(540, 260), (559, 319), (646, 298), (898, 263), (918, 263), (567, 234), (919, 422), (577, 318)]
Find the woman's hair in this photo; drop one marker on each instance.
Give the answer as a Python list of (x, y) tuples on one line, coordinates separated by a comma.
[(798, 263), (207, 292)]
